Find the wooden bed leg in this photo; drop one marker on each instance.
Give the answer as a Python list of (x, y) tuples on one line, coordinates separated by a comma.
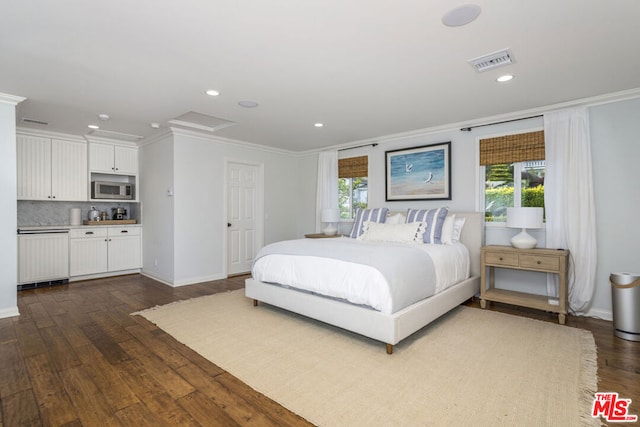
[(255, 302), (389, 348)]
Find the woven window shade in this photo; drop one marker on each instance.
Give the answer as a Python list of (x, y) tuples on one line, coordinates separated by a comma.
[(512, 148), (353, 167)]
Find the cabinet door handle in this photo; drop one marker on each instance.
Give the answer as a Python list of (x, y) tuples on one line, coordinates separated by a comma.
[(124, 231), (88, 232)]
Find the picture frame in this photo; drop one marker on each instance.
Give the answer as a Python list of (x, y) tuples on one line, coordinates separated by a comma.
[(419, 173)]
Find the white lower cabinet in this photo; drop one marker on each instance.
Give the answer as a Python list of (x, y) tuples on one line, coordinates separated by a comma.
[(104, 249), (43, 257), (124, 248)]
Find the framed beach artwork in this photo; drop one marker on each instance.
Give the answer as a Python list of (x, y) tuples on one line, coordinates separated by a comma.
[(419, 173)]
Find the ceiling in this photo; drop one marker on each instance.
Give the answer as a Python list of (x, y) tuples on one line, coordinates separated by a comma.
[(362, 68)]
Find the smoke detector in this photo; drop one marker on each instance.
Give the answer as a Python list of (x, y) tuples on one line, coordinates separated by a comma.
[(492, 60)]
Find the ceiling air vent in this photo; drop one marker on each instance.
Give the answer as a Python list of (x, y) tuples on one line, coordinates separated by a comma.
[(492, 60), (35, 122)]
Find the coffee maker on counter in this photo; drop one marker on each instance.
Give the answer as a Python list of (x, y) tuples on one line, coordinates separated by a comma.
[(118, 213)]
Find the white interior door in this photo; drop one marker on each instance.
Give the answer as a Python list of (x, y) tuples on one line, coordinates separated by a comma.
[(243, 216)]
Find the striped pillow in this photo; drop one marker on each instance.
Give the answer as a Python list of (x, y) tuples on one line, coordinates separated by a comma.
[(434, 218), (362, 215)]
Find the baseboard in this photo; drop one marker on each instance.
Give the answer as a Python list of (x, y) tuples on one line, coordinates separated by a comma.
[(183, 282), (600, 314), (9, 312), (157, 278)]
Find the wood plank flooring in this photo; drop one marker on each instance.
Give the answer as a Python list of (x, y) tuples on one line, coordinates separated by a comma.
[(76, 357)]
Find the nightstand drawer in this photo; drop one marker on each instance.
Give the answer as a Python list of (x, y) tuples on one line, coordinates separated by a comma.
[(501, 258), (537, 262)]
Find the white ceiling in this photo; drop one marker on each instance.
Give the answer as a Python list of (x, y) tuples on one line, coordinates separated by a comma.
[(363, 68)]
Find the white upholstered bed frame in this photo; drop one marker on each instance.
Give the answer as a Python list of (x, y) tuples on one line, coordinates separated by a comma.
[(388, 328)]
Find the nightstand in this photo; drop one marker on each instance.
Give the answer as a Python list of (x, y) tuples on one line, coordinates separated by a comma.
[(321, 236), (543, 260)]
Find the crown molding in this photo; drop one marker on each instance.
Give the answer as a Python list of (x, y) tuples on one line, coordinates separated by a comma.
[(49, 134), (5, 98)]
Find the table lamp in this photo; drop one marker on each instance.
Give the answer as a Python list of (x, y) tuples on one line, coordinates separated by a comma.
[(524, 218), (329, 217)]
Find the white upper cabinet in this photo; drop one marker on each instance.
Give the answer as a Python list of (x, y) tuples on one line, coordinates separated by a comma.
[(51, 169), (113, 159)]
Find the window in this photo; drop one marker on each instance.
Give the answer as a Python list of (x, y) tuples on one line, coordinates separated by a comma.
[(514, 170), (352, 185)]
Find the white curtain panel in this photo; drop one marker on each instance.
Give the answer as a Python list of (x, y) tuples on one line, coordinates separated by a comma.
[(569, 202), (327, 193)]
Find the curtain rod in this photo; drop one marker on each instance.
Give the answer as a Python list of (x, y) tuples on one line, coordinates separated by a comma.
[(359, 146), (469, 128)]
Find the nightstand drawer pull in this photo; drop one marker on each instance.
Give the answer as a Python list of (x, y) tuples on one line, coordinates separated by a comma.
[(539, 262)]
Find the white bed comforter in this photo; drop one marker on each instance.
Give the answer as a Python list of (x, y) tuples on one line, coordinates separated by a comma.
[(384, 276)]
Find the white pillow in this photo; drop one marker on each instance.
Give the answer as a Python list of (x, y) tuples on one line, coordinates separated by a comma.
[(395, 219), (400, 233), (458, 224), (447, 229)]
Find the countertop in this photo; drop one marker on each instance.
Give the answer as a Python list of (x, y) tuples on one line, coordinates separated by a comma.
[(69, 227)]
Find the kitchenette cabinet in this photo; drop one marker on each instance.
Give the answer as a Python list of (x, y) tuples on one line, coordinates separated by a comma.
[(43, 257), (113, 159), (51, 169), (102, 249)]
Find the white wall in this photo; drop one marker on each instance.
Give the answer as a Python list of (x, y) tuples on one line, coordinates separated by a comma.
[(155, 178), (197, 218), (8, 213), (615, 135), (615, 142)]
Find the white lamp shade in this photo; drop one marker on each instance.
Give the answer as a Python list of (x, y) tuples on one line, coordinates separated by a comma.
[(330, 215), (524, 217)]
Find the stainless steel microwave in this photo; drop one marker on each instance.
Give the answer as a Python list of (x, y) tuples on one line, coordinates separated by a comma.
[(112, 190)]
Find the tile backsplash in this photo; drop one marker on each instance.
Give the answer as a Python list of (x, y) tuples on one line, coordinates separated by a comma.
[(32, 213)]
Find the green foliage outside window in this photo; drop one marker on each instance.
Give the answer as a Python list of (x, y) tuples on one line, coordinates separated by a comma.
[(498, 199), (352, 194)]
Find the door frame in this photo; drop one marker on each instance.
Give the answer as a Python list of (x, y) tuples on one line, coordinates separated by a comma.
[(259, 234)]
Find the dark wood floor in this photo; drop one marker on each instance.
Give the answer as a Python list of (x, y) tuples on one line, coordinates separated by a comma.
[(75, 356)]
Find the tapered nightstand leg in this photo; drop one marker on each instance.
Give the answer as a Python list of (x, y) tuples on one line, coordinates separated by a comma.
[(561, 318), (483, 303)]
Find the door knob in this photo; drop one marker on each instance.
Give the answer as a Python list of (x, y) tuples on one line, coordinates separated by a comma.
[(228, 224)]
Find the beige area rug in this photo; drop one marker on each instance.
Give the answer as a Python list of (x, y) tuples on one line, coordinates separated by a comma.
[(471, 367)]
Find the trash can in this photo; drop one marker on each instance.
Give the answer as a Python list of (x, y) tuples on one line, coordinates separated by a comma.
[(625, 298)]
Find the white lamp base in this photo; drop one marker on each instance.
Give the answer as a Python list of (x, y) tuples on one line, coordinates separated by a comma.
[(523, 240), (330, 230)]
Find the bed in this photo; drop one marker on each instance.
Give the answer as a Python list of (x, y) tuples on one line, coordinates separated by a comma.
[(387, 327)]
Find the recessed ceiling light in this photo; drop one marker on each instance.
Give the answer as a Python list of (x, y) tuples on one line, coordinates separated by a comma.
[(318, 125), (505, 78), (248, 104), (93, 127), (104, 117), (155, 125), (461, 15), (212, 92)]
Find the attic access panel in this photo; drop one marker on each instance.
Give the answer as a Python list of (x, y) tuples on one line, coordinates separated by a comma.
[(201, 121)]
